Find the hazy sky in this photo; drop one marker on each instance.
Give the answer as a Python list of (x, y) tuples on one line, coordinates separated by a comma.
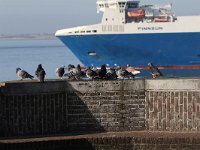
[(46, 16)]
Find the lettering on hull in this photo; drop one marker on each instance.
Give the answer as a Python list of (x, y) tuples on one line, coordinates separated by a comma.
[(150, 28)]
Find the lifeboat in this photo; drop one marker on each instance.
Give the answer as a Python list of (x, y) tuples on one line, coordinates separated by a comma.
[(160, 20), (140, 13)]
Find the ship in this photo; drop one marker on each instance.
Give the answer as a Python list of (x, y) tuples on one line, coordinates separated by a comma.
[(135, 34)]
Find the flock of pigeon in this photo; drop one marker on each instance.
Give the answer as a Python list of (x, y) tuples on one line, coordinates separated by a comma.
[(40, 73), (72, 72)]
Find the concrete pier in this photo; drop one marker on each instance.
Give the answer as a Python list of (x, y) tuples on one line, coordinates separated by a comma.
[(160, 108)]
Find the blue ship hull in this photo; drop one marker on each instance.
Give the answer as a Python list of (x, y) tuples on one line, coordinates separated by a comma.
[(162, 49)]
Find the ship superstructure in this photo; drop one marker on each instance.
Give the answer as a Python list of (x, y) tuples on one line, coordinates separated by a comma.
[(134, 34)]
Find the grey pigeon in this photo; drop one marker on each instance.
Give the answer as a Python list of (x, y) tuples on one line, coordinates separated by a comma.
[(60, 71), (23, 74), (154, 70), (82, 72), (70, 66), (90, 73), (40, 73), (102, 72), (121, 73), (74, 73), (111, 74)]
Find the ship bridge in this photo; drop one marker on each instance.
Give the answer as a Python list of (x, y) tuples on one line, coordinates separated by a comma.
[(115, 10), (121, 15), (102, 5), (128, 11)]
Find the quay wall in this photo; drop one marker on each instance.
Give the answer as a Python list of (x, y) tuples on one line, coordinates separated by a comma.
[(68, 107), (173, 105)]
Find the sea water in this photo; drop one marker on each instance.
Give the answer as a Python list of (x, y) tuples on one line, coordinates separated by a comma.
[(27, 54)]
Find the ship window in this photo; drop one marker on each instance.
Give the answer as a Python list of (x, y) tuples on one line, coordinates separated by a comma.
[(104, 28), (88, 31), (109, 27), (121, 4), (76, 31), (115, 28), (106, 5), (106, 19), (100, 5), (132, 5), (121, 28), (92, 53), (94, 30), (82, 31)]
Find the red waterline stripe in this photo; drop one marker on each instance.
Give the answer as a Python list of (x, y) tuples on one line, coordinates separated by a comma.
[(171, 67), (163, 67)]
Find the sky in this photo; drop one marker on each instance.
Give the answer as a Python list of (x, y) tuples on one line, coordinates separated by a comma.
[(47, 16)]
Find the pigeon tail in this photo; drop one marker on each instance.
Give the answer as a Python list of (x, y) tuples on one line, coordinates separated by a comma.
[(30, 77)]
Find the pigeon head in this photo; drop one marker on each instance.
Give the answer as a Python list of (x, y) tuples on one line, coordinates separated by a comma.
[(103, 66), (150, 64), (62, 66), (118, 67), (17, 69), (70, 66), (78, 66), (40, 66)]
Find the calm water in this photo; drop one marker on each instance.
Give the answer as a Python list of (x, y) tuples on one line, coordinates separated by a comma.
[(27, 54)]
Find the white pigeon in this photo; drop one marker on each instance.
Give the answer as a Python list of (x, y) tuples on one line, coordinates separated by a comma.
[(60, 71), (132, 70), (23, 74)]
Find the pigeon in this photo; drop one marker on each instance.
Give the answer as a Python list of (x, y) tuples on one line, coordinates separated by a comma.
[(40, 73), (70, 66), (82, 72), (102, 72), (23, 74), (60, 71), (74, 73), (111, 74), (154, 70), (90, 73), (132, 71), (121, 72), (69, 75)]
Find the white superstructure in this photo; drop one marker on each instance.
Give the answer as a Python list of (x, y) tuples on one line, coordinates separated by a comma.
[(116, 19)]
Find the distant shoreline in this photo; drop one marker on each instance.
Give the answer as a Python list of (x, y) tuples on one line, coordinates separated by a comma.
[(45, 36)]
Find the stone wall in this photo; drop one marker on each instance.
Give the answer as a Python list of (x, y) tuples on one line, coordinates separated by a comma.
[(173, 105), (62, 107), (115, 105), (32, 109)]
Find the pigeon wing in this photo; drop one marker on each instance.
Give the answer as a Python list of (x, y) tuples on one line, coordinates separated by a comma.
[(24, 74)]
